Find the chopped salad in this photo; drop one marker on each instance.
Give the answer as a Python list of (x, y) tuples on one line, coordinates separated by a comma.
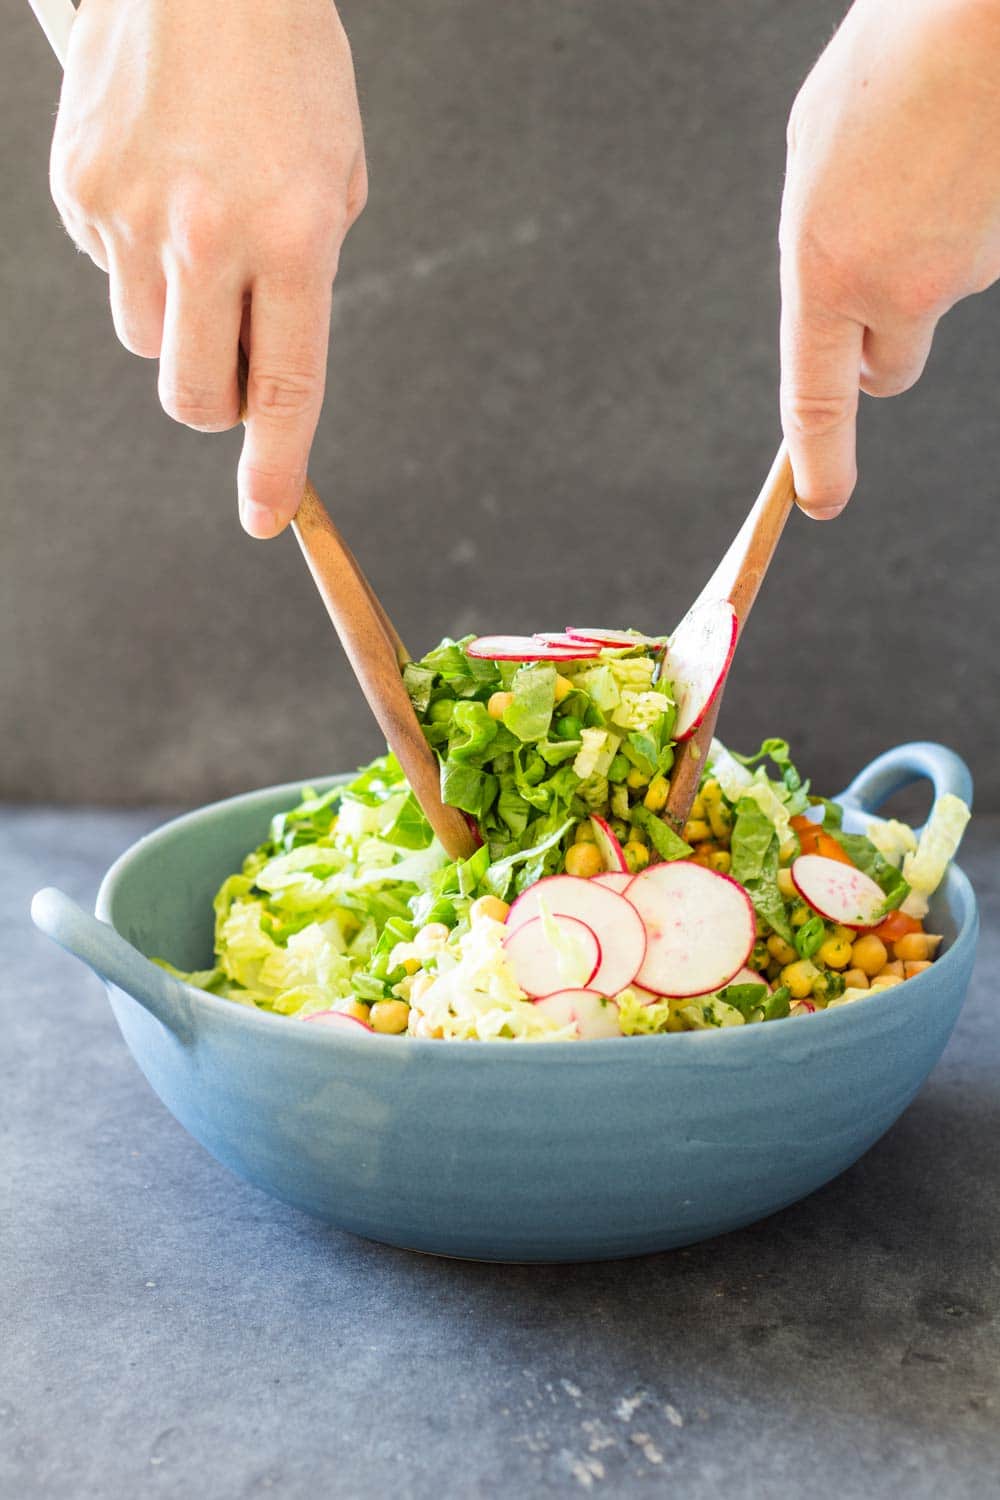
[(584, 913)]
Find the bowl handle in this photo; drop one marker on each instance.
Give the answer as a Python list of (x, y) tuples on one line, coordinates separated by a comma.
[(903, 765), (113, 959)]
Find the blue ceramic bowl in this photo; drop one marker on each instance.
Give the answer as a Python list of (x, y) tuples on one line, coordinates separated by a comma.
[(568, 1151)]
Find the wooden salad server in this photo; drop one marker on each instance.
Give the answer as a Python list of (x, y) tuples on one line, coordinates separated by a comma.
[(737, 580), (377, 655)]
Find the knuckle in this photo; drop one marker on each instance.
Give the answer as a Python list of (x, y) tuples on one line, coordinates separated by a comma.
[(284, 393), (809, 416), (197, 406)]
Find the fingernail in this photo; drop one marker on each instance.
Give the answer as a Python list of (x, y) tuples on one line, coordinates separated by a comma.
[(258, 520)]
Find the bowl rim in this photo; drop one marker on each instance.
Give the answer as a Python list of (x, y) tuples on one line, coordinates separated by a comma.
[(881, 1004)]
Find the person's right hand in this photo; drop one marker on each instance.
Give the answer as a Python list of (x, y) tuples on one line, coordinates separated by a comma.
[(210, 159)]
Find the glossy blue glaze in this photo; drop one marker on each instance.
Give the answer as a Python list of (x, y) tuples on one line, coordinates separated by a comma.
[(567, 1151)]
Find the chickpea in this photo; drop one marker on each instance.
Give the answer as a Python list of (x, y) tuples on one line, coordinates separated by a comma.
[(412, 965), (431, 939), (719, 815), (916, 946), (657, 794), (636, 857), (584, 860), (884, 982), (499, 704), (835, 953), (721, 860), (390, 1016), (856, 979), (827, 986), (782, 951), (489, 909), (801, 914), (869, 954), (584, 833), (786, 885), (563, 687), (799, 978), (914, 966), (698, 809), (356, 1009), (697, 831), (894, 967), (636, 779)]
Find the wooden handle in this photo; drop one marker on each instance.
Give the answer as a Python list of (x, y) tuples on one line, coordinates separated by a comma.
[(376, 654), (737, 578), (360, 622)]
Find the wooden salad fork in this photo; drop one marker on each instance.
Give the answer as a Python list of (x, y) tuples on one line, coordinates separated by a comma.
[(737, 580)]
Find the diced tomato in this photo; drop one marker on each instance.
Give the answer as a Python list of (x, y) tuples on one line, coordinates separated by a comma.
[(896, 925), (815, 840)]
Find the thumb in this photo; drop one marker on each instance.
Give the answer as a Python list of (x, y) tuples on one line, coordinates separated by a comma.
[(820, 378)]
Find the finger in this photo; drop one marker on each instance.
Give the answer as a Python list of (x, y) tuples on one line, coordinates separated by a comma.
[(289, 331), (201, 331), (137, 289), (893, 358), (820, 371), (86, 237)]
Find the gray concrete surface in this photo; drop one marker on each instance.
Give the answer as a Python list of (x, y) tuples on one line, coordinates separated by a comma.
[(552, 391), (169, 1331)]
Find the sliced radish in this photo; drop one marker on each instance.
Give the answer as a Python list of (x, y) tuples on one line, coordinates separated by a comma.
[(608, 847), (551, 954), (698, 658), (747, 976), (614, 880), (837, 891), (614, 921), (699, 928), (338, 1018), (521, 648), (615, 638), (587, 1010), (581, 650)]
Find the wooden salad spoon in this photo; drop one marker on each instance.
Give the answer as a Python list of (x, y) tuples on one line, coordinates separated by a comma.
[(737, 579), (376, 654)]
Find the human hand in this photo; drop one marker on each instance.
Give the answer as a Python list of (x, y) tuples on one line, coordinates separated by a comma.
[(211, 160), (891, 215)]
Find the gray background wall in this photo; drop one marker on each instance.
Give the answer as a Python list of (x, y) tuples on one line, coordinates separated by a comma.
[(552, 393)]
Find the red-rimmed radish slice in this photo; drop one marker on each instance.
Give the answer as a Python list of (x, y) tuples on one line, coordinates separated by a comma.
[(580, 650), (699, 924), (587, 1010), (742, 976), (608, 847), (697, 660), (542, 966), (747, 976), (613, 920), (838, 892), (338, 1018), (614, 880), (519, 648), (614, 638)]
